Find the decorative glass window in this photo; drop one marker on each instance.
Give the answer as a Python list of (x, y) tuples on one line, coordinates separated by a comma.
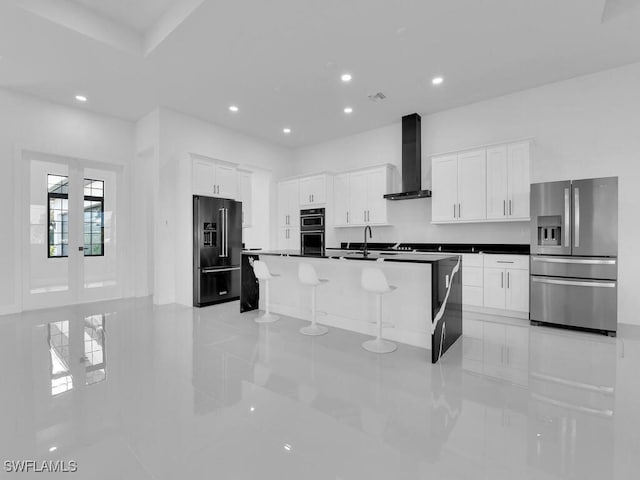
[(93, 222), (58, 196), (93, 218)]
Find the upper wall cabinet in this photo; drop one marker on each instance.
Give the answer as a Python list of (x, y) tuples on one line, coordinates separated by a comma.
[(484, 185), (508, 181), (245, 181), (289, 203), (358, 197), (313, 190), (214, 179), (459, 187)]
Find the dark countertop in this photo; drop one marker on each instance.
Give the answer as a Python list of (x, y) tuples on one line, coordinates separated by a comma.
[(379, 256), (490, 248)]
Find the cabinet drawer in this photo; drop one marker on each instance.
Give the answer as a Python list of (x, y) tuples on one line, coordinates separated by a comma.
[(472, 276), (518, 262), (472, 296), (472, 260)]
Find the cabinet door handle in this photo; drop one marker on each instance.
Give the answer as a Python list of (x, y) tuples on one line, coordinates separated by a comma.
[(501, 279), (454, 210), (347, 217), (504, 208), (507, 279), (459, 214), (364, 215), (510, 213)]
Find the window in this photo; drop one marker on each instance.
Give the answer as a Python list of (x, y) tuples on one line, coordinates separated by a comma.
[(93, 221), (93, 218), (58, 187)]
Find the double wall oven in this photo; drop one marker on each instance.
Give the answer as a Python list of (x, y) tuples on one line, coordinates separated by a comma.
[(312, 231)]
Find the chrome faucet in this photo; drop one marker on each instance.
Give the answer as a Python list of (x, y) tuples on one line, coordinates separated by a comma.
[(365, 250)]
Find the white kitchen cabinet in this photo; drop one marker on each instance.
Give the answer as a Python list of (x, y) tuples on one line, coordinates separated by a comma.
[(459, 187), (214, 179), (506, 282), (359, 197), (472, 279), (444, 189), (313, 190), (341, 200), (226, 181), (288, 203), (472, 186), (289, 238), (245, 181), (508, 181), (519, 183)]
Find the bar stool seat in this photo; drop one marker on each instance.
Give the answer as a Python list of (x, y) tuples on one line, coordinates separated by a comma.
[(374, 280), (263, 274), (307, 275)]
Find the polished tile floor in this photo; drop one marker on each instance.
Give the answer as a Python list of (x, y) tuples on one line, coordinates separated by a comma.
[(129, 390)]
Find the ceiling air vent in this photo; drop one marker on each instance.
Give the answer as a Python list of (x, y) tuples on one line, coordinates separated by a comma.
[(377, 96)]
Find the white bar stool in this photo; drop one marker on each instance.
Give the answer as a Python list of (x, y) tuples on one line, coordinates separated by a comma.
[(375, 281), (308, 276), (262, 272)]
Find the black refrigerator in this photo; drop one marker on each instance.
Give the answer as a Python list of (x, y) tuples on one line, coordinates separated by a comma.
[(217, 249)]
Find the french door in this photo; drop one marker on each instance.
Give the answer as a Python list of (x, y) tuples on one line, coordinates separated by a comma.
[(71, 232)]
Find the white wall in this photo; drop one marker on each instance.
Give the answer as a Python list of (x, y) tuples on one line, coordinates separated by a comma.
[(182, 134), (39, 126), (584, 127)]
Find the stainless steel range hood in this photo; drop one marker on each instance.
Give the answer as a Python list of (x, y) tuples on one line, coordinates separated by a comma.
[(411, 161)]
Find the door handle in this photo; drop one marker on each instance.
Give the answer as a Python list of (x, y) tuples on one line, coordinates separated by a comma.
[(510, 210), (454, 210), (504, 208), (459, 214), (576, 216), (567, 233), (347, 217), (507, 279), (501, 279), (215, 270), (583, 261), (226, 231), (573, 283)]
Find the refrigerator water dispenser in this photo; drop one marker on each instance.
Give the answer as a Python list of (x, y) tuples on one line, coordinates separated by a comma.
[(550, 230)]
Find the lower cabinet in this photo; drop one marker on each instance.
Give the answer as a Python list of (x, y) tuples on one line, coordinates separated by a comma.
[(506, 283), (289, 238)]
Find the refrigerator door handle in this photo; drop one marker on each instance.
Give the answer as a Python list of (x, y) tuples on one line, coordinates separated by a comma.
[(216, 270), (582, 261), (567, 212), (226, 232), (576, 216), (573, 283), (221, 210)]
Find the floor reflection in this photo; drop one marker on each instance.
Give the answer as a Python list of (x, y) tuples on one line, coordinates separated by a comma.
[(208, 391)]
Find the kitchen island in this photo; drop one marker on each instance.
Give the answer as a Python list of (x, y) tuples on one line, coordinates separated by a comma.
[(424, 311)]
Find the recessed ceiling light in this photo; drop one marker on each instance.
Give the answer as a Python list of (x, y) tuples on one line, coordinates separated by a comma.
[(53, 449), (233, 108), (437, 80), (346, 77), (348, 109), (81, 98), (286, 130)]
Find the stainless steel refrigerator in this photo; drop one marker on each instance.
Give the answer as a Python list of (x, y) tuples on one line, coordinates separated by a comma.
[(574, 247), (217, 248)]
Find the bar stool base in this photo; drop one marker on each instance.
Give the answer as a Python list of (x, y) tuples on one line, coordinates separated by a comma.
[(267, 318), (314, 330), (379, 346)]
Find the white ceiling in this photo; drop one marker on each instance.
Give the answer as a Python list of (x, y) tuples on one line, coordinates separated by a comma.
[(140, 15), (280, 60)]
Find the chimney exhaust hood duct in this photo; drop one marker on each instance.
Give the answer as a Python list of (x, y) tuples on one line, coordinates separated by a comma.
[(411, 160)]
